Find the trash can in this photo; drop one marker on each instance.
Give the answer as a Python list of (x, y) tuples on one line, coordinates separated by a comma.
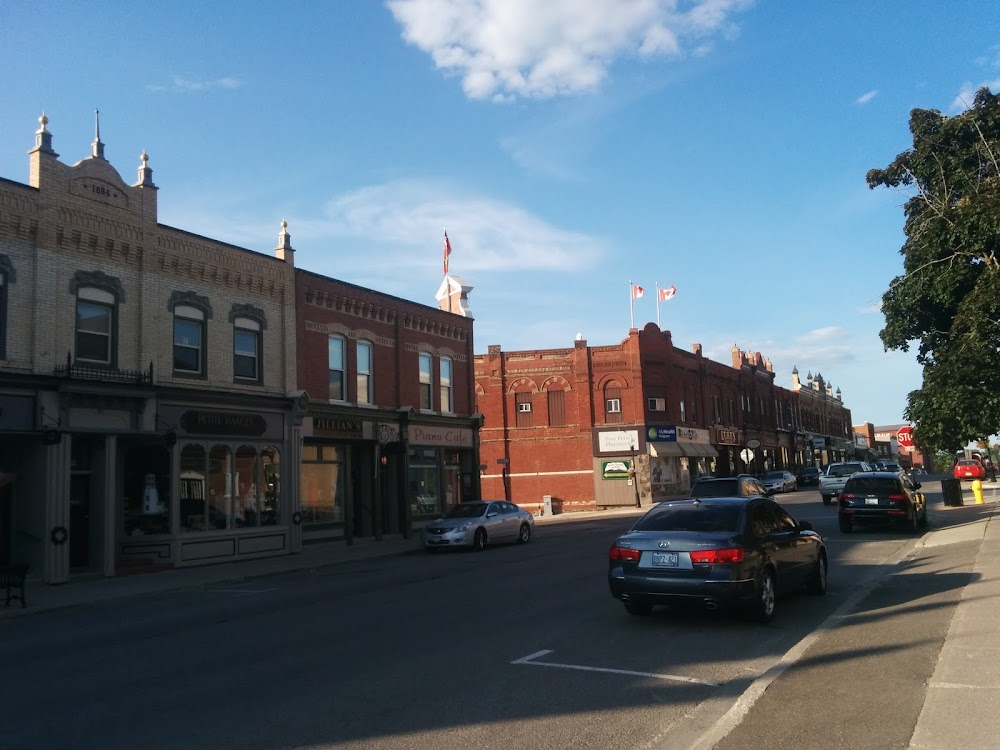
[(952, 490), (546, 505)]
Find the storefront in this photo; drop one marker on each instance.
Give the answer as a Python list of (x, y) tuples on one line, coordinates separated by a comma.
[(440, 469), (727, 444), (19, 441), (701, 455), (669, 470), (621, 466)]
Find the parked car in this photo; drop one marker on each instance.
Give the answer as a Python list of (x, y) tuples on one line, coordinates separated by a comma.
[(889, 466), (833, 479), (742, 485), (808, 476), (779, 481), (737, 552), (477, 524), (881, 496), (969, 468)]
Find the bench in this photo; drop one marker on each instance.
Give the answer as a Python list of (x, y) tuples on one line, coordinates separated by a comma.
[(12, 579)]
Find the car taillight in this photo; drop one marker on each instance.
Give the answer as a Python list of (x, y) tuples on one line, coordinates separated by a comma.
[(623, 553), (897, 496), (711, 556), (846, 495)]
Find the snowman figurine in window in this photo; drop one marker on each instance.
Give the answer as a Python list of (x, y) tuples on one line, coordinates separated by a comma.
[(151, 505)]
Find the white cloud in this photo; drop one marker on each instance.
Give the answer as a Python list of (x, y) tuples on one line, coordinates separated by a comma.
[(865, 98), (967, 94), (504, 49), (185, 85), (873, 307)]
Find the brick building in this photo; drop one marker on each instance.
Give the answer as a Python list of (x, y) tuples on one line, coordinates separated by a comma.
[(147, 380), (577, 424), (391, 431)]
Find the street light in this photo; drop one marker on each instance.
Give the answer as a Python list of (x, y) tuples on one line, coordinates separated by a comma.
[(635, 475)]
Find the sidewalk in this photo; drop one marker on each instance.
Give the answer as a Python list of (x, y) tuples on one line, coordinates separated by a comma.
[(43, 597)]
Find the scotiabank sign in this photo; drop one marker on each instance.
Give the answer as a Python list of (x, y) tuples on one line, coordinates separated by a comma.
[(446, 437)]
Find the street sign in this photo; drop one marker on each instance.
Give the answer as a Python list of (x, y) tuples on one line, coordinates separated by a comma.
[(904, 436), (503, 461), (753, 443), (747, 455)]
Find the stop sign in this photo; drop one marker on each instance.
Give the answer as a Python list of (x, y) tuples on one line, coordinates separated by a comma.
[(904, 436)]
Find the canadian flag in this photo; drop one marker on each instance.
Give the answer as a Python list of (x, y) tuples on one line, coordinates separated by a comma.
[(637, 291), (668, 293)]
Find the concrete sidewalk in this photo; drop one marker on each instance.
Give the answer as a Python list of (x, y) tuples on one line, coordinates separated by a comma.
[(88, 591)]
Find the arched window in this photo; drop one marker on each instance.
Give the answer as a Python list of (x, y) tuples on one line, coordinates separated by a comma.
[(447, 392), (364, 367), (612, 403), (337, 357), (191, 313), (426, 365), (96, 325), (246, 350)]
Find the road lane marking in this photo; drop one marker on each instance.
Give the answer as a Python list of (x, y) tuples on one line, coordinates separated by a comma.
[(530, 661)]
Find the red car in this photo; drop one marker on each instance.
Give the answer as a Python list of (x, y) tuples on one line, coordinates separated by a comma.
[(969, 468)]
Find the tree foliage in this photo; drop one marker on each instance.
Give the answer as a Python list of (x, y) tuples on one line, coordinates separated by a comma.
[(947, 302)]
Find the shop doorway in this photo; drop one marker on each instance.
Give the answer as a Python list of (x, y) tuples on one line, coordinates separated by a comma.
[(81, 483), (6, 517), (369, 518)]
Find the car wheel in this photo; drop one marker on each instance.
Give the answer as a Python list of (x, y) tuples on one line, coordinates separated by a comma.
[(524, 535), (846, 526), (639, 609), (911, 524), (479, 540), (763, 607), (817, 582), (827, 499), (922, 521)]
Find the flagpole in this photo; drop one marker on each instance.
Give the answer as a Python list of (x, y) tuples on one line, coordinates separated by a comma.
[(631, 313), (658, 304)]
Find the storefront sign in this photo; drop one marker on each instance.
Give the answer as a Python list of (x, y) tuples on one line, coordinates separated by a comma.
[(618, 441), (727, 437), (818, 442), (223, 423), (693, 435), (17, 413), (448, 437), (666, 433), (616, 469), (334, 427)]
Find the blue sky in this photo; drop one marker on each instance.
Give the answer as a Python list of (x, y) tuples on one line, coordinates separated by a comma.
[(569, 146)]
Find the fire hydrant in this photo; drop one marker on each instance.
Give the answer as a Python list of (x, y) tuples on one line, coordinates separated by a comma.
[(977, 491)]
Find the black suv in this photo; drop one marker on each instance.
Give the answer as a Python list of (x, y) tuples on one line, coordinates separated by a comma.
[(882, 496), (808, 476), (742, 485)]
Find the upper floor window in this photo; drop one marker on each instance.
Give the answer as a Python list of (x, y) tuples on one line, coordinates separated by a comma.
[(95, 325), (365, 395), (189, 340), (447, 394), (246, 349), (336, 356), (522, 403), (557, 408), (426, 381), (683, 411), (613, 404), (3, 315)]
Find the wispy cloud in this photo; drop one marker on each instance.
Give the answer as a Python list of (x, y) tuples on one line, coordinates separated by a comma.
[(871, 308), (504, 49), (180, 84), (865, 98), (967, 94)]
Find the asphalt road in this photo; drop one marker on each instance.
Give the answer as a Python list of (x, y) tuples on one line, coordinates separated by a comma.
[(515, 647)]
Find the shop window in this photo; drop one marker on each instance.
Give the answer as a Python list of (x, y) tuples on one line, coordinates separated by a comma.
[(270, 467), (192, 489), (522, 407), (189, 341), (365, 395), (146, 490), (246, 487), (323, 487), (96, 321), (246, 350), (613, 404), (336, 357), (220, 488), (426, 381), (425, 483), (557, 408), (444, 378)]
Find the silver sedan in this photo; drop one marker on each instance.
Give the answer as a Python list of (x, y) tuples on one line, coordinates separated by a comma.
[(779, 481), (477, 524)]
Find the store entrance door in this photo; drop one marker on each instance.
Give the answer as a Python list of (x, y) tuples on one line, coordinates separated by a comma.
[(6, 517)]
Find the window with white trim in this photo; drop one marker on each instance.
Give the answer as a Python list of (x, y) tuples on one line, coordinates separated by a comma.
[(189, 340), (336, 356), (426, 366), (365, 395), (522, 407), (95, 325), (613, 404), (246, 350), (444, 381)]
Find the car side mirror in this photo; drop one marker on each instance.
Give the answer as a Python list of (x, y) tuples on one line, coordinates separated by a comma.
[(916, 485), (805, 526)]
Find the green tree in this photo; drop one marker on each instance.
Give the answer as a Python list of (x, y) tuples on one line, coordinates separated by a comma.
[(947, 302)]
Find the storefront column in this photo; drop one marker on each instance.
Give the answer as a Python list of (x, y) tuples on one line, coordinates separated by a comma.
[(109, 510), (55, 540), (290, 489)]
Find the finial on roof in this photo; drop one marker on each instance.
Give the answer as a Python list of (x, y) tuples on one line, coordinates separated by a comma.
[(284, 251), (144, 157), (284, 224), (145, 173), (97, 150), (43, 138), (43, 120)]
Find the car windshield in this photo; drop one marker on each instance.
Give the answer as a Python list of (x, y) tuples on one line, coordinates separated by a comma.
[(467, 510), (774, 475), (872, 486), (716, 488), (705, 517), (844, 470), (810, 470)]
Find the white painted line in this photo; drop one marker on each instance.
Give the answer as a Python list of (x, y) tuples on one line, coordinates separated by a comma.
[(530, 661), (236, 591)]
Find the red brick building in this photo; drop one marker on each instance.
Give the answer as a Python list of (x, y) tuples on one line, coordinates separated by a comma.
[(578, 424), (390, 432)]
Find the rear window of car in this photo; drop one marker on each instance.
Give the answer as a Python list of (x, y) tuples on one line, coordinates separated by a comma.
[(872, 485), (969, 462), (716, 488), (844, 470), (700, 517)]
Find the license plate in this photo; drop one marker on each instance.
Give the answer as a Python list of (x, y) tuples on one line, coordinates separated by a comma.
[(871, 501), (434, 539), (664, 559)]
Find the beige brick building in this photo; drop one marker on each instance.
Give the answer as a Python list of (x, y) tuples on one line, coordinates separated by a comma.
[(148, 406)]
